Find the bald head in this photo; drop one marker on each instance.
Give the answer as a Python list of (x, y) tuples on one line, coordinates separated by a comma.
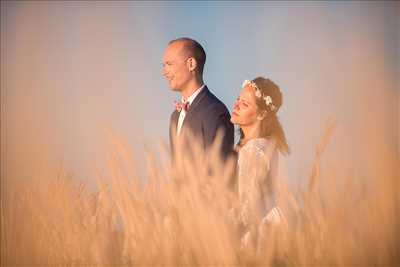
[(191, 48)]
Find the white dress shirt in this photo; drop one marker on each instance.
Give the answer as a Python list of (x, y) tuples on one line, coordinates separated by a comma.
[(182, 113)]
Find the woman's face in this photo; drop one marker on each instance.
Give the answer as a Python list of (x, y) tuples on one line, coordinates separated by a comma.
[(244, 111)]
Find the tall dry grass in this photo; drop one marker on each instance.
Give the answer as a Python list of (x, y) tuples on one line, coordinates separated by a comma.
[(185, 214)]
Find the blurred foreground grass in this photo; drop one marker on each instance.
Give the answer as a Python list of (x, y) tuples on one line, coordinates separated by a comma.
[(182, 215)]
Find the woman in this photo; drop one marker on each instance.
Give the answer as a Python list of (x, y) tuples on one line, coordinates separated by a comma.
[(261, 140)]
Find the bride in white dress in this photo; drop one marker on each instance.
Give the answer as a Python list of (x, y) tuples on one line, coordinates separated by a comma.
[(262, 140)]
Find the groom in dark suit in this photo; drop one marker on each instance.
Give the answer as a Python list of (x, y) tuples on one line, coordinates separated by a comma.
[(199, 112)]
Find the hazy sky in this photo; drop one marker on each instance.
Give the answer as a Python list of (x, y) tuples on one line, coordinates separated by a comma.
[(72, 70)]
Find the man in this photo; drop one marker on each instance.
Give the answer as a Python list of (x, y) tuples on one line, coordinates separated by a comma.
[(199, 113)]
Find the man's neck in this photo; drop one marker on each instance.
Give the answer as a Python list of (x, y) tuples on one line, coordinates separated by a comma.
[(191, 88)]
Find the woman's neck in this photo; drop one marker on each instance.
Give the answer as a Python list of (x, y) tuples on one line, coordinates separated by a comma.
[(250, 132)]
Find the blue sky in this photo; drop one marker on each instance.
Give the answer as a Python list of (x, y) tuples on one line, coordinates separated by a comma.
[(77, 68)]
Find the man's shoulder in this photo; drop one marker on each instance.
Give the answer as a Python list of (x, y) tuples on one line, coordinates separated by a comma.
[(213, 104)]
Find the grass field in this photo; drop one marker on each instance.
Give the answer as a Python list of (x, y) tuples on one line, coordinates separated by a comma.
[(185, 215)]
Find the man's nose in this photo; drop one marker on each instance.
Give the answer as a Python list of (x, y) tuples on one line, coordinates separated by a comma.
[(164, 70)]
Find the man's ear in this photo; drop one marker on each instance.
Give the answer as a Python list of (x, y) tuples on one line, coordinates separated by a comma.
[(261, 115), (192, 63)]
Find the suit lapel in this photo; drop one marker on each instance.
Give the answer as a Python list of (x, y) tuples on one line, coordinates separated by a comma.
[(174, 124), (197, 100), (195, 104), (189, 112)]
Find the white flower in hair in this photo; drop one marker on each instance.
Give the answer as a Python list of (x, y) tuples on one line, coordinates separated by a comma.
[(267, 100), (245, 83), (254, 85), (258, 93)]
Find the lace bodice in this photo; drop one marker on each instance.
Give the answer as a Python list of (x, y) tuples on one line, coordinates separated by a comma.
[(257, 172)]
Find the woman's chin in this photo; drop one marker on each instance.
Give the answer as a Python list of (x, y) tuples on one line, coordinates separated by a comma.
[(233, 120)]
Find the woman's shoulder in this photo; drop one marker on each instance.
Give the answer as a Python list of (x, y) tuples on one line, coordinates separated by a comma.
[(260, 146)]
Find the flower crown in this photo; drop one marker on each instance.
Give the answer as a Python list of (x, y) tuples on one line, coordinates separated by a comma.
[(267, 99)]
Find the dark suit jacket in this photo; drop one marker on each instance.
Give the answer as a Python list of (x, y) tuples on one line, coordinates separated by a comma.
[(205, 116)]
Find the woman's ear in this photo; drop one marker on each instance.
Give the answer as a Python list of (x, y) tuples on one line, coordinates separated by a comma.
[(261, 115)]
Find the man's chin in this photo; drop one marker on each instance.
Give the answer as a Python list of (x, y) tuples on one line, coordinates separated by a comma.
[(174, 89)]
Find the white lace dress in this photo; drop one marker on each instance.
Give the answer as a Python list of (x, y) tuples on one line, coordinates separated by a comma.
[(258, 174)]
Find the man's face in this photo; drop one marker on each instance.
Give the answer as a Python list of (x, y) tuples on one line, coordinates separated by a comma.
[(175, 67)]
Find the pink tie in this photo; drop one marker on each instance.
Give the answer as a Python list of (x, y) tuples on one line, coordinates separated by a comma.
[(181, 105)]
